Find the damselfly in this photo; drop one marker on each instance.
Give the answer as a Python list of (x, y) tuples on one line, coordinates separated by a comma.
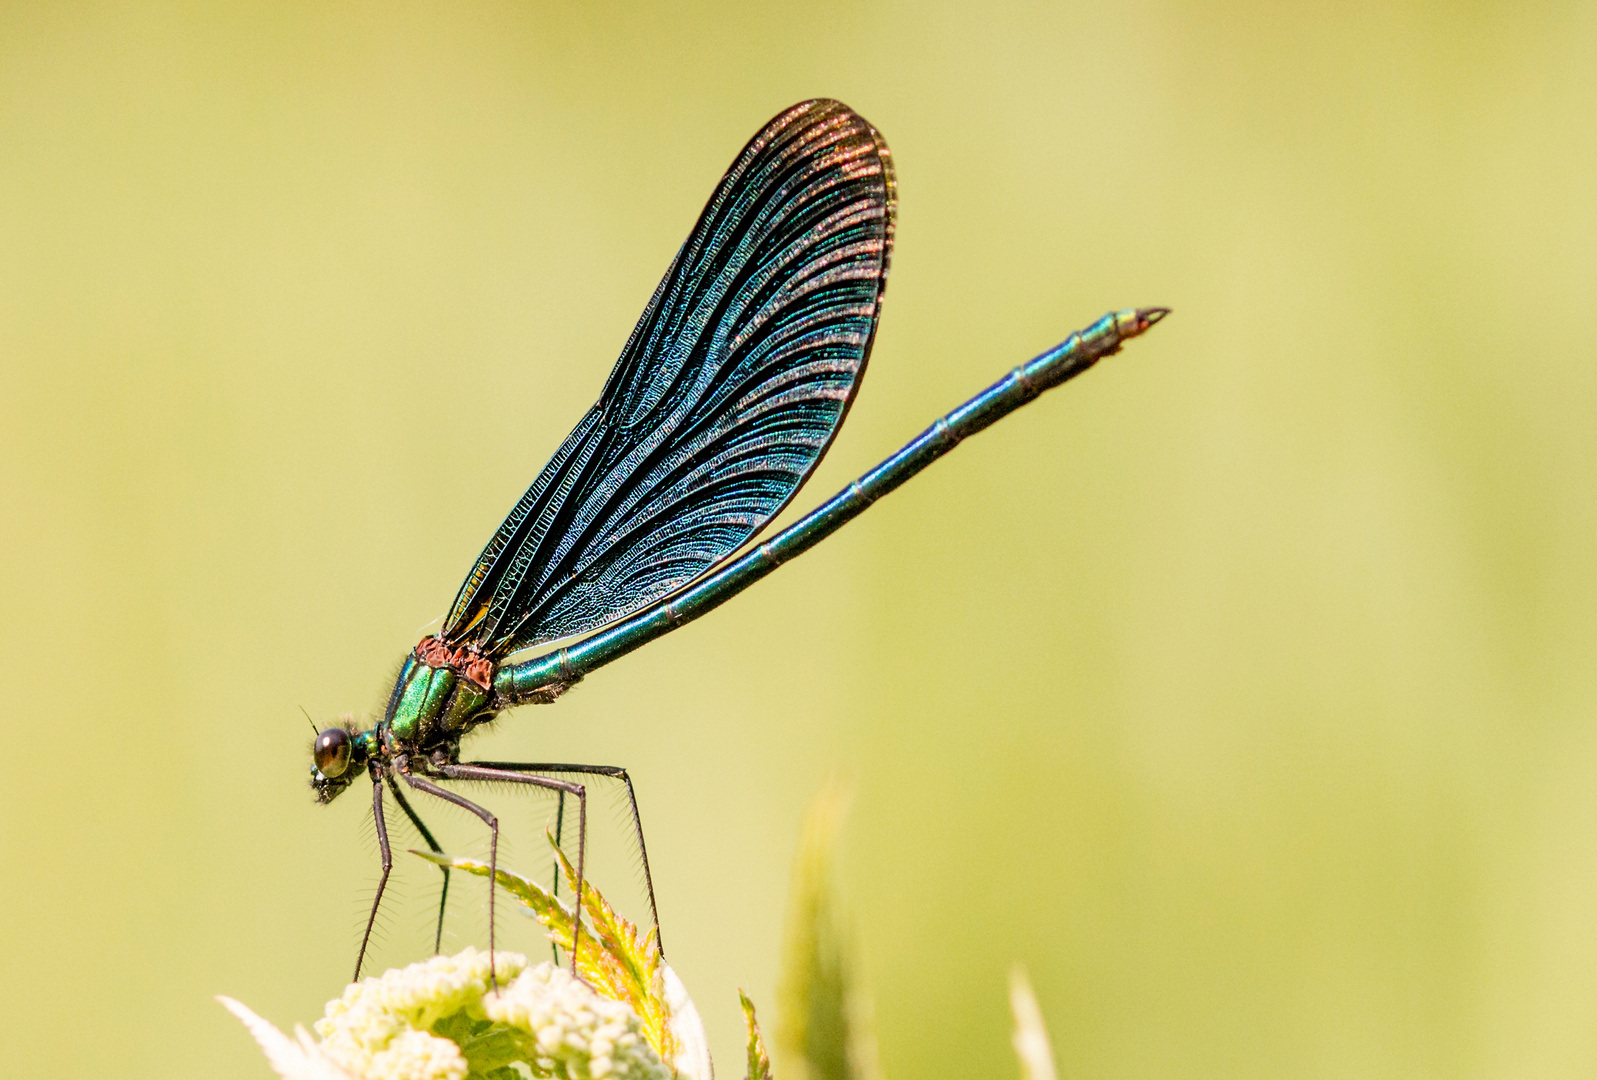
[(730, 389)]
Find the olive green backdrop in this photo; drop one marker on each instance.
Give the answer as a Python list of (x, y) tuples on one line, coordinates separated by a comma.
[(1242, 689)]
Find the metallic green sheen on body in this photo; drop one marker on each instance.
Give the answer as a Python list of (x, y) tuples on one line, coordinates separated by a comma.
[(366, 745), (466, 708), (430, 705)]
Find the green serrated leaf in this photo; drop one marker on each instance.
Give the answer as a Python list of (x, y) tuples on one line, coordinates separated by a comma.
[(635, 969), (759, 1067), (545, 907)]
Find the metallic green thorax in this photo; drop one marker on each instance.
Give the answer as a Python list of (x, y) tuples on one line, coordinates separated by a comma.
[(432, 706)]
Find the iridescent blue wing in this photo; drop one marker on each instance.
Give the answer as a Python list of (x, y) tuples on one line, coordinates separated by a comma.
[(723, 401)]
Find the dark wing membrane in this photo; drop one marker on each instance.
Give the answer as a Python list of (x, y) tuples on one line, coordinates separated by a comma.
[(724, 399)]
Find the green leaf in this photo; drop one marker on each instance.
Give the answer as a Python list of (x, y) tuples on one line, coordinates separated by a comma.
[(540, 903), (633, 972), (759, 1062), (822, 1029)]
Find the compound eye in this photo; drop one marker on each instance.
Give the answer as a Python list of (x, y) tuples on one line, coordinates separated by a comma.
[(332, 752)]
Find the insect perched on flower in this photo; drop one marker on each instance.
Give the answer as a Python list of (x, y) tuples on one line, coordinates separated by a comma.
[(733, 385)]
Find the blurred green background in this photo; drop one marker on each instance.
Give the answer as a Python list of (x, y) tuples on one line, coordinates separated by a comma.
[(1242, 689)]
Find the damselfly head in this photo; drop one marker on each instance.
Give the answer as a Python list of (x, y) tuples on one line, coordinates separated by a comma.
[(336, 758)]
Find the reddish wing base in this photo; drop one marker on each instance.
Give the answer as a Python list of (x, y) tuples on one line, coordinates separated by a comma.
[(465, 660)]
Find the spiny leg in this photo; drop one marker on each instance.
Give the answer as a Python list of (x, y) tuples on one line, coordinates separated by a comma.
[(493, 851), (495, 774), (560, 826), (456, 772), (615, 772), (554, 873), (382, 882), (443, 898)]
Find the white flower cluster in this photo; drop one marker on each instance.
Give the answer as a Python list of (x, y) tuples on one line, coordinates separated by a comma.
[(381, 1028), (574, 1033), (410, 1055)]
